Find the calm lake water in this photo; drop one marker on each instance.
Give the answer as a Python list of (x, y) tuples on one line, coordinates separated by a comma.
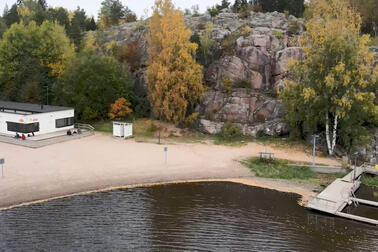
[(199, 216)]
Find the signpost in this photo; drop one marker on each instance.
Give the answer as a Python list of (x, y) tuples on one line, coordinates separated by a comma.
[(314, 149), (2, 161), (166, 152)]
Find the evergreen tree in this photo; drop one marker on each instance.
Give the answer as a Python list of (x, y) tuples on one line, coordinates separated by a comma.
[(111, 12), (3, 27), (225, 4), (78, 27), (11, 16), (174, 78), (91, 25), (114, 13), (59, 15)]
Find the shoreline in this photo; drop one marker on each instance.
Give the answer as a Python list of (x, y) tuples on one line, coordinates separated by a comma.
[(304, 193), (101, 162)]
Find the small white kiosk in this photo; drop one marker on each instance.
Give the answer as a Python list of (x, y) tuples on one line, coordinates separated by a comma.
[(122, 129)]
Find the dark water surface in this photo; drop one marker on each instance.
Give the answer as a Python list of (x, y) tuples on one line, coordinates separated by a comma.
[(199, 216), (367, 193)]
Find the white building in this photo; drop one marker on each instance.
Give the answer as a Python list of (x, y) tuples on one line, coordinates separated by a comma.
[(30, 118)]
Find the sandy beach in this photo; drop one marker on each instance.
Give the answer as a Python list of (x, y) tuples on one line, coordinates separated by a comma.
[(101, 162)]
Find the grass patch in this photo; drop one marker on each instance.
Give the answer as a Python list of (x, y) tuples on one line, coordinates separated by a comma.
[(230, 141), (276, 168), (370, 180), (141, 127), (103, 126)]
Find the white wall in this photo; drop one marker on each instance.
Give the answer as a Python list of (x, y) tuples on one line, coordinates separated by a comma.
[(46, 121)]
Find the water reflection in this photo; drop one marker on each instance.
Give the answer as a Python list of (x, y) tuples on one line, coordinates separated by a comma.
[(200, 216)]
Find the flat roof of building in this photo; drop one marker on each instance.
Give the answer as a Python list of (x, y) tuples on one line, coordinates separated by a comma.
[(17, 107)]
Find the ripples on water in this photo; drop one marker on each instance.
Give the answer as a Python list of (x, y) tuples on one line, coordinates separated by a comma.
[(200, 216)]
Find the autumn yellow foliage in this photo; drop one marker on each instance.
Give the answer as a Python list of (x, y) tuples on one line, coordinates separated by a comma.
[(333, 87), (174, 78), (120, 109)]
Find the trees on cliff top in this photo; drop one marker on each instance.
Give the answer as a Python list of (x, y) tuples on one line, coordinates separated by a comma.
[(113, 13), (332, 88), (173, 76)]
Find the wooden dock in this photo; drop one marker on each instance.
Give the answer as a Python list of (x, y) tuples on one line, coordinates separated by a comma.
[(340, 193)]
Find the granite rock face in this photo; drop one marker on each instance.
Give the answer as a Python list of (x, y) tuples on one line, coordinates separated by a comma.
[(255, 63)]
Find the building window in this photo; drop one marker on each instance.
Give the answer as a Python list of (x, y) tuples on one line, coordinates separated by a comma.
[(23, 128), (64, 122)]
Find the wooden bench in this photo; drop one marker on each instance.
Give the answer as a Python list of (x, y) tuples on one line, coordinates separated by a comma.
[(266, 155)]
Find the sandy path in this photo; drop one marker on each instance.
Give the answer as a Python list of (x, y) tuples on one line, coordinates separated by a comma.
[(100, 162)]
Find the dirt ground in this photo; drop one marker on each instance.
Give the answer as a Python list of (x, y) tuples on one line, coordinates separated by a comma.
[(101, 162)]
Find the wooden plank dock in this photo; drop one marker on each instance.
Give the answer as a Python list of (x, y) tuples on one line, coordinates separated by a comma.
[(339, 194)]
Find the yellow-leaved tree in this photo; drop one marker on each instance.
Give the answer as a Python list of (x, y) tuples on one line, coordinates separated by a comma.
[(332, 90), (120, 109), (174, 78)]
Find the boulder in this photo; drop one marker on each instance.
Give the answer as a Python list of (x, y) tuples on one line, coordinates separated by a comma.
[(209, 127), (229, 21), (261, 41), (282, 57)]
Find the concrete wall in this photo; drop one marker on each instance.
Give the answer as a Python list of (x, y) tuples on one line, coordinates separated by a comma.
[(46, 121)]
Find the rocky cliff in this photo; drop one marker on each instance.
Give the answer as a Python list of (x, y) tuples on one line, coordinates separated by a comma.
[(244, 70)]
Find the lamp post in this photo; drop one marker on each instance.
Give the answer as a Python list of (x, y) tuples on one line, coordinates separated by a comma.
[(160, 110), (314, 149)]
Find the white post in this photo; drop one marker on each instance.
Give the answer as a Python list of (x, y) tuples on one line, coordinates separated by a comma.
[(314, 150), (166, 153)]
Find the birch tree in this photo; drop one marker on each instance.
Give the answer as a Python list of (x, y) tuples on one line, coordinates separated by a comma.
[(174, 78), (336, 75)]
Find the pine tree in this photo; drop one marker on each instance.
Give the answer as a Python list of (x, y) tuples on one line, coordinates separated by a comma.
[(174, 78), (77, 27), (11, 16), (91, 25)]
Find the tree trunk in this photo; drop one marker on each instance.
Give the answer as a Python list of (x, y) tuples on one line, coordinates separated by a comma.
[(331, 140), (327, 135), (334, 133)]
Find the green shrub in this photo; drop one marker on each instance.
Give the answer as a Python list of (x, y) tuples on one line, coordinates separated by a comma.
[(213, 11), (201, 26), (191, 119), (293, 28), (227, 84), (152, 128), (370, 180), (278, 34), (228, 45), (260, 133), (287, 13), (230, 130), (244, 83)]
